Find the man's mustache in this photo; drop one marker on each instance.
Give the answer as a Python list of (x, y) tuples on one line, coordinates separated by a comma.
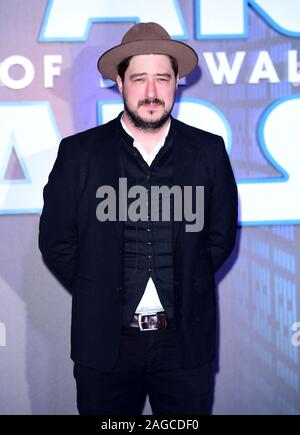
[(151, 101)]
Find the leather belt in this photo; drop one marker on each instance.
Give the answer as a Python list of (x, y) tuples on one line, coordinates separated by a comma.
[(150, 322)]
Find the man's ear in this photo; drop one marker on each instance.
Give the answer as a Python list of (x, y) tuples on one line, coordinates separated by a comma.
[(177, 80), (120, 84)]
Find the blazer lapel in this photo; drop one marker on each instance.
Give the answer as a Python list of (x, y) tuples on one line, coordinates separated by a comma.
[(184, 163), (110, 171)]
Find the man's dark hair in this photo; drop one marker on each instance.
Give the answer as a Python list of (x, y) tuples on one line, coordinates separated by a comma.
[(122, 67)]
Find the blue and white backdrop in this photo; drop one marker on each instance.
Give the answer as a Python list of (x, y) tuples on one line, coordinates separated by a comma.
[(247, 88)]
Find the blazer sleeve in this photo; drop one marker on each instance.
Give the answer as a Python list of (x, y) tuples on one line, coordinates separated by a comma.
[(57, 226), (224, 209)]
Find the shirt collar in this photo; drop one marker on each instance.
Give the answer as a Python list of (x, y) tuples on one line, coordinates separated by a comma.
[(136, 144)]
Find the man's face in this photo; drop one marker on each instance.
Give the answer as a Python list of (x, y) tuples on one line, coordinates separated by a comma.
[(148, 90)]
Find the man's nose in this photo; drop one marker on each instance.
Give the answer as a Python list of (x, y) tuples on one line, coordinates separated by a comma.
[(151, 91)]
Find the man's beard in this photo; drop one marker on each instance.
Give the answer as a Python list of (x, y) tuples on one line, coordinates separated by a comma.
[(142, 123)]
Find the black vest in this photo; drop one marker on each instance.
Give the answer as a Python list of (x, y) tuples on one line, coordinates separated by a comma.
[(147, 244)]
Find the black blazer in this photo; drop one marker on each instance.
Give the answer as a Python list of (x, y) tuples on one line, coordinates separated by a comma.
[(87, 256)]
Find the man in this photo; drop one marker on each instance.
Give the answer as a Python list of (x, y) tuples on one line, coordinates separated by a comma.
[(143, 308)]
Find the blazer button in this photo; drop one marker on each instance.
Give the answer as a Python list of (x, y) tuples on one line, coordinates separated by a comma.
[(121, 251), (119, 289)]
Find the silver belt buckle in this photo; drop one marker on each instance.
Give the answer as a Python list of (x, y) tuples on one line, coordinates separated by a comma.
[(140, 322)]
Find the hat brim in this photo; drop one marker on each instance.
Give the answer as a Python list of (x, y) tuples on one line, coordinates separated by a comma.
[(186, 57)]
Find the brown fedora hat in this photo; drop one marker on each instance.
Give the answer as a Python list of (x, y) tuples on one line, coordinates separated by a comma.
[(147, 38)]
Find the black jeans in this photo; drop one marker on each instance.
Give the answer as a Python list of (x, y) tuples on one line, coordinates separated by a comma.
[(148, 363)]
